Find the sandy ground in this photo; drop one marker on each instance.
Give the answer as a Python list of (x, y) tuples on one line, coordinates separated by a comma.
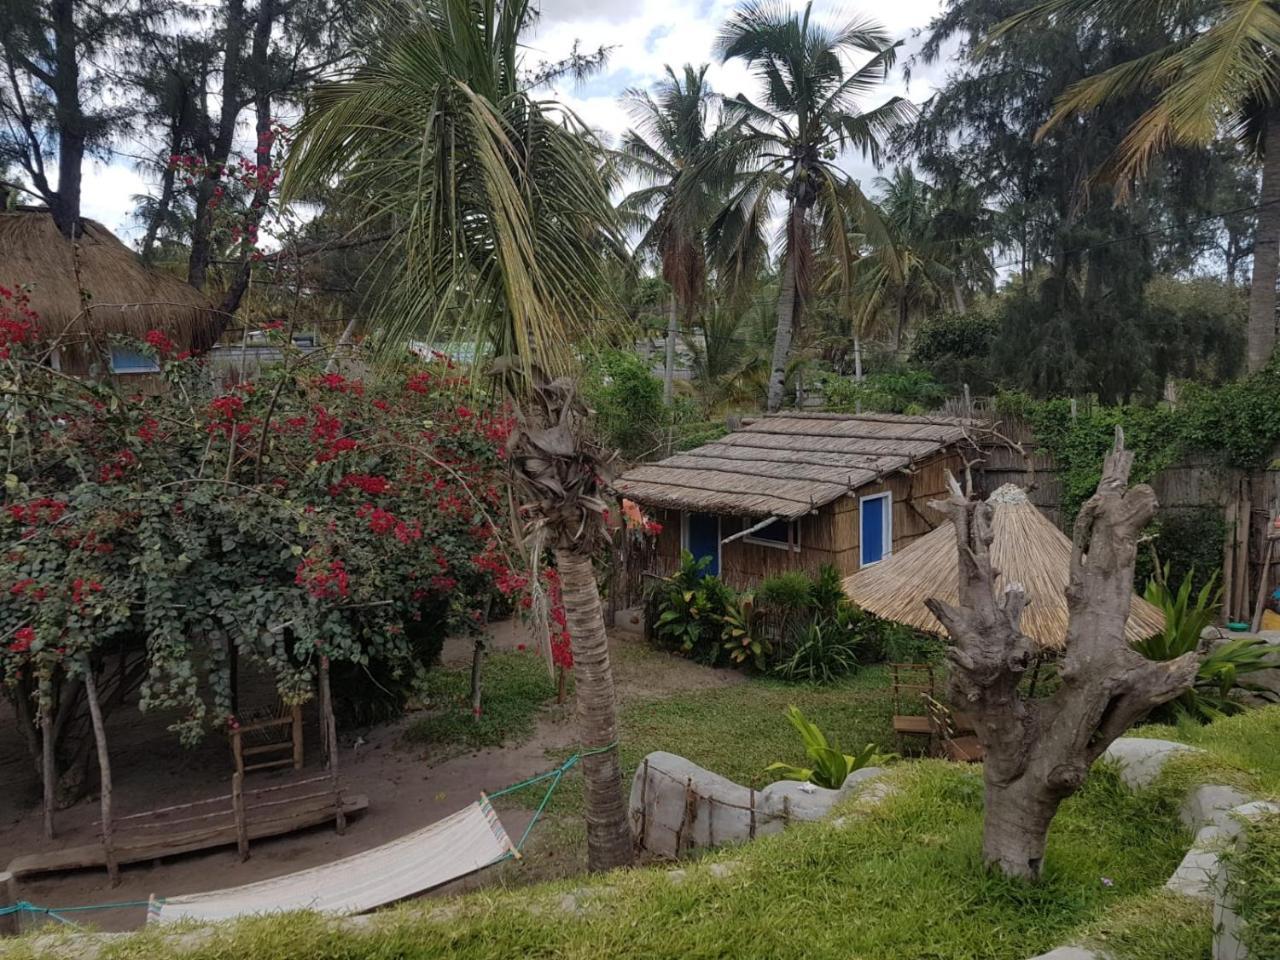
[(405, 791)]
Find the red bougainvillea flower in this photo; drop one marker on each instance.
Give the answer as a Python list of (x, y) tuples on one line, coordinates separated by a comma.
[(23, 637), (161, 342), (115, 467), (323, 581)]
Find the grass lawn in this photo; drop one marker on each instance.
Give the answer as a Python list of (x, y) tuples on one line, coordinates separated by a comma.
[(903, 882), (515, 688)]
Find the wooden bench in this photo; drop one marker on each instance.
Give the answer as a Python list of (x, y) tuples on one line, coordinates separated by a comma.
[(232, 819)]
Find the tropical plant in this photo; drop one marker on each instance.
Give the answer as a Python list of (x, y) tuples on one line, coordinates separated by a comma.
[(1217, 69), (1221, 669), (903, 271), (667, 151), (740, 630), (790, 144), (821, 652), (1185, 618), (690, 611), (830, 767), (503, 229)]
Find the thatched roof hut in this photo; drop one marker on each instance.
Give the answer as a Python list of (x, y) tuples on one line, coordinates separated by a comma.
[(1026, 548), (125, 296), (787, 465)]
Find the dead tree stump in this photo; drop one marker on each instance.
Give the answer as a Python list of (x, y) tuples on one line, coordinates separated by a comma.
[(1038, 751)]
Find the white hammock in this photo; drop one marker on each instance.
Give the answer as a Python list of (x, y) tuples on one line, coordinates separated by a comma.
[(460, 844)]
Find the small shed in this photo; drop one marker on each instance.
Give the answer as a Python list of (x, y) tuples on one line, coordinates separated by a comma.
[(1025, 548), (121, 295), (794, 491)]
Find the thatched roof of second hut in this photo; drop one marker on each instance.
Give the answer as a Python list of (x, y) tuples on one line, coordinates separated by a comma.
[(1026, 548), (125, 295)]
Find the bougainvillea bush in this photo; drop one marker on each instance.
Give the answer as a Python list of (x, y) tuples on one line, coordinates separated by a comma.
[(306, 515)]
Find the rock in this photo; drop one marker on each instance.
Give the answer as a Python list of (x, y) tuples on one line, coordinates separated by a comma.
[(677, 806), (1228, 927), (1070, 953), (1141, 760), (1198, 871), (1209, 803), (722, 870)]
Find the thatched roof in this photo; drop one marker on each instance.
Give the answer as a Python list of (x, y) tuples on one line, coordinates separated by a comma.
[(785, 465), (125, 295), (1026, 548)]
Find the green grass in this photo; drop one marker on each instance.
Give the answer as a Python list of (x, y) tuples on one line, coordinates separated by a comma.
[(1244, 749), (1155, 926), (515, 687), (1254, 871), (904, 882), (739, 730)]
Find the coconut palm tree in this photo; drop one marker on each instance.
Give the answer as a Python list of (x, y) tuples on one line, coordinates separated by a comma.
[(792, 141), (502, 222), (904, 270), (1220, 71), (667, 151)]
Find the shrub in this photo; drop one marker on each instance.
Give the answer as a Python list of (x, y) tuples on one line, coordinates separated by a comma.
[(823, 651), (689, 611), (298, 517)]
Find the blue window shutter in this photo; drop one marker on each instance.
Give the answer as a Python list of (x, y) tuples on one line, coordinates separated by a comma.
[(873, 529)]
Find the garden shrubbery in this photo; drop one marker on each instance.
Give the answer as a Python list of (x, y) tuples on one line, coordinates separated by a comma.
[(301, 516), (796, 626)]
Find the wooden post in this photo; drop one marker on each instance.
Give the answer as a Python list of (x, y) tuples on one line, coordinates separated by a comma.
[(237, 806), (1229, 557), (331, 742), (10, 923), (752, 828), (104, 774), (48, 772), (477, 665), (561, 679), (296, 711), (1243, 523), (644, 805), (237, 750)]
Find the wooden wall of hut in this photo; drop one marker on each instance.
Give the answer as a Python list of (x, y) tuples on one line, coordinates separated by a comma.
[(828, 535)]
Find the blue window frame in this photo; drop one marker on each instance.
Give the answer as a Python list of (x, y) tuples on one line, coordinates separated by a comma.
[(777, 534), (876, 526), (131, 360)]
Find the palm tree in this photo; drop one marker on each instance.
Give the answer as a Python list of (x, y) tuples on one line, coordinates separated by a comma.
[(667, 150), (502, 216), (1220, 67), (904, 271), (793, 139)]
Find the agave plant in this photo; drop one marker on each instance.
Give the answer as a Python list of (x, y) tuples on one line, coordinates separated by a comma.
[(830, 766), (1221, 670)]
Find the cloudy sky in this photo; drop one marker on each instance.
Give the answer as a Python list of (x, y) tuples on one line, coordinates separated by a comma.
[(646, 35)]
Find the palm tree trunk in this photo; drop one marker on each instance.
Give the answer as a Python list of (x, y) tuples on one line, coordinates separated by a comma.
[(857, 357), (902, 325), (669, 372), (1266, 250), (608, 830), (786, 316)]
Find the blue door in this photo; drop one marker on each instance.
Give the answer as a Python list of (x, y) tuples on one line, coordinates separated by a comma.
[(702, 539), (877, 537)]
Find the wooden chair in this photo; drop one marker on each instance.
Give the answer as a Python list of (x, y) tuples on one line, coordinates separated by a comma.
[(946, 739), (909, 682), (269, 735)]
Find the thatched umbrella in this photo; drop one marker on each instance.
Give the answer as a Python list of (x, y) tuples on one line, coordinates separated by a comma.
[(121, 294), (1027, 548)]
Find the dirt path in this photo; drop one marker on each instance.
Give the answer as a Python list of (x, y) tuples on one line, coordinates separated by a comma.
[(405, 793)]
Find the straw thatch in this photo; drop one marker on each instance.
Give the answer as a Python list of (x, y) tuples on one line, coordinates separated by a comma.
[(125, 296), (1027, 549), (786, 465)]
